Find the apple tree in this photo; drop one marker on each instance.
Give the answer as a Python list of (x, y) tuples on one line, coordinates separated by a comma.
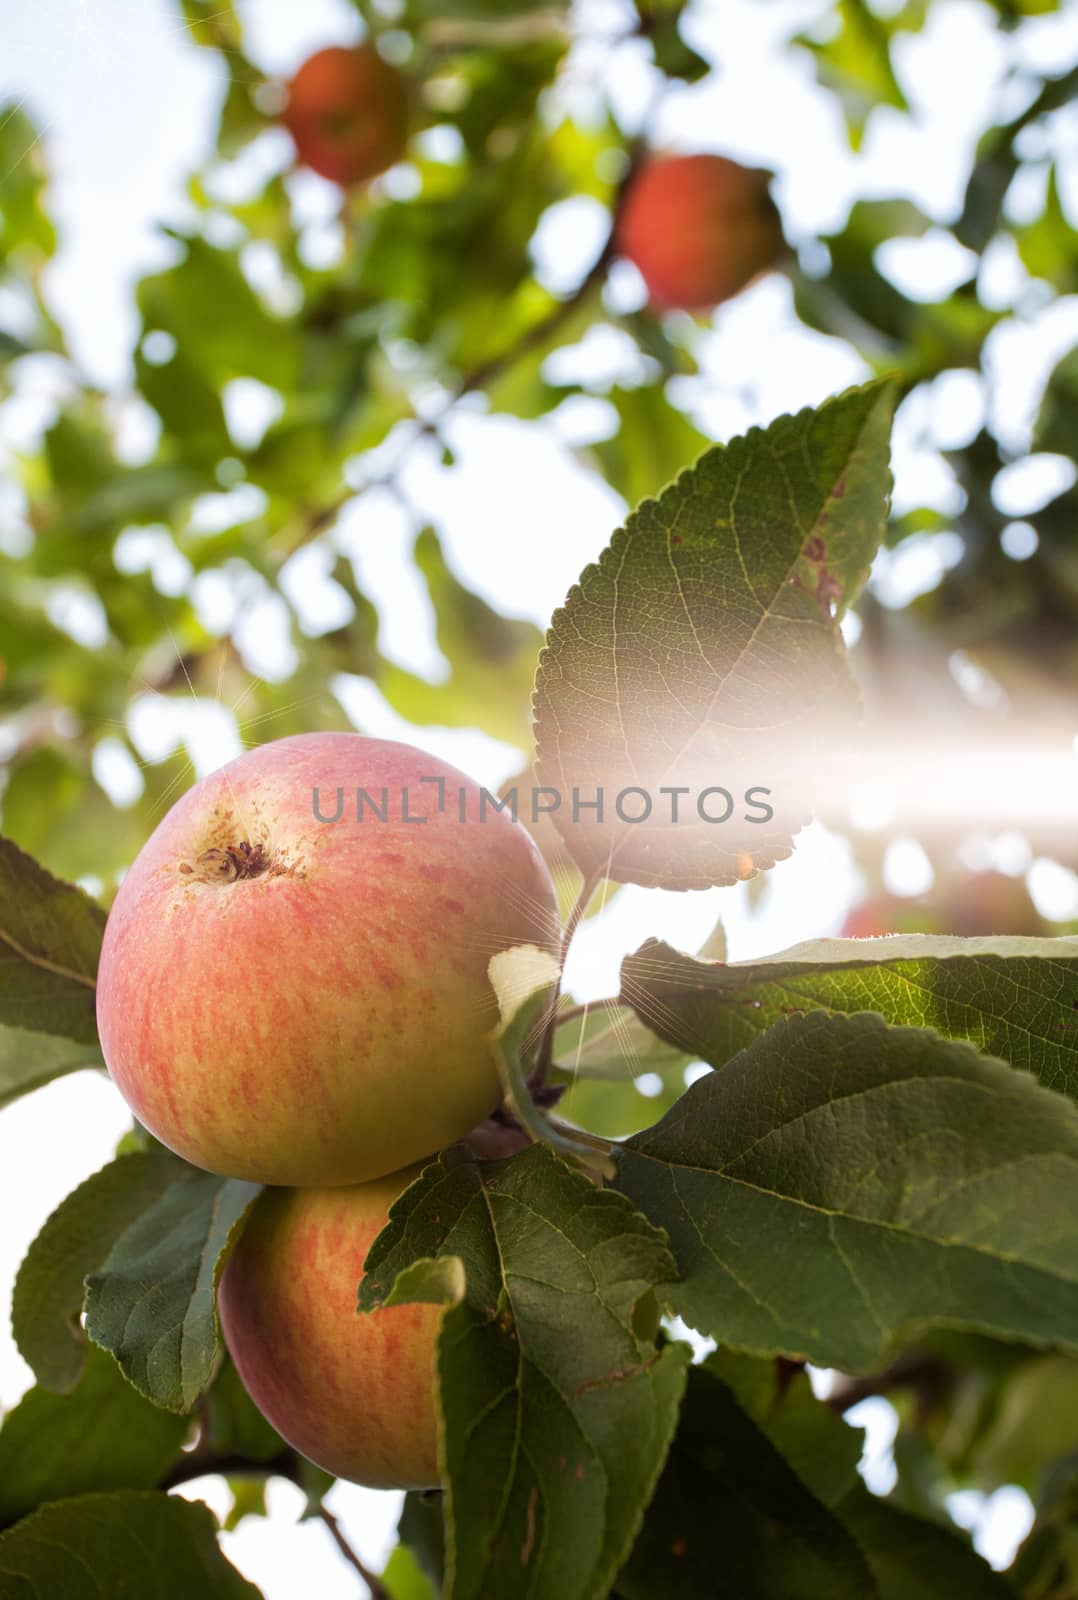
[(613, 1337)]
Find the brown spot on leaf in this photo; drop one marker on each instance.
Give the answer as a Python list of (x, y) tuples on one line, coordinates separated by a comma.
[(529, 1528)]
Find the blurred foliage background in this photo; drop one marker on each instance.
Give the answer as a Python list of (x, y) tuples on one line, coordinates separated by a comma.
[(184, 534)]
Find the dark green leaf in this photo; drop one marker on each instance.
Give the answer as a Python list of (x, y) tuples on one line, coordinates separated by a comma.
[(29, 1060), (421, 1529), (912, 1559), (233, 1423), (152, 1301), (840, 1182), (50, 939), (101, 1436), (558, 1408), (49, 1288), (108, 1546), (732, 1521)]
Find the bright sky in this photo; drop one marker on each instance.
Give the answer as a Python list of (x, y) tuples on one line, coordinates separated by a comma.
[(127, 105)]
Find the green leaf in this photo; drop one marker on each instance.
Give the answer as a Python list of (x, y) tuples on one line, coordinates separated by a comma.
[(702, 649), (1036, 1420), (912, 1559), (524, 980), (1016, 998), (1055, 426), (654, 441), (234, 1426), (404, 1578), (101, 1436), (29, 1060), (731, 1520), (242, 339), (491, 657), (856, 62), (104, 1546), (49, 1288), (821, 1447), (152, 1301), (27, 236), (50, 939), (557, 1407), (422, 1531), (840, 1182)]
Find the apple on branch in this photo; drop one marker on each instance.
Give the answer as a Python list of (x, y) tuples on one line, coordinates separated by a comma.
[(347, 112), (354, 1394), (301, 1001), (698, 229)]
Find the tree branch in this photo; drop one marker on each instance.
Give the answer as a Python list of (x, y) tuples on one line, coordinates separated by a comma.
[(371, 1579), (926, 1375), (201, 1461)]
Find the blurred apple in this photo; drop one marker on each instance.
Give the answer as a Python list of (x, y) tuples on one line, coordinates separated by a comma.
[(347, 112), (698, 228)]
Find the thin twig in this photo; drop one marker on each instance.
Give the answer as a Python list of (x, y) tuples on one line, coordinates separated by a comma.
[(926, 1375), (493, 367), (201, 1463), (611, 1002), (371, 1579)]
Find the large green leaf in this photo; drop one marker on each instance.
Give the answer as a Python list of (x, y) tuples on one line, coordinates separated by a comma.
[(731, 1520), (557, 1407), (101, 1436), (702, 650), (50, 1286), (50, 939), (152, 1301), (1014, 998), (840, 1182), (104, 1546)]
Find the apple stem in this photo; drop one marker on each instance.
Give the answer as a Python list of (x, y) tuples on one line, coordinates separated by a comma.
[(612, 1002), (545, 1054)]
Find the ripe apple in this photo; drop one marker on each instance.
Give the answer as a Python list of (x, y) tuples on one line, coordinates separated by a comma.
[(347, 112), (297, 1001), (355, 1394), (698, 229)]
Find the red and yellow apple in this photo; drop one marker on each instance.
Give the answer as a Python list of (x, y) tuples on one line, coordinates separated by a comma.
[(698, 229), (303, 1001), (347, 112), (355, 1394)]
